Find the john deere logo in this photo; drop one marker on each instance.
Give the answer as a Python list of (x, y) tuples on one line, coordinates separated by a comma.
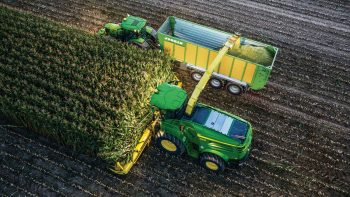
[(174, 41)]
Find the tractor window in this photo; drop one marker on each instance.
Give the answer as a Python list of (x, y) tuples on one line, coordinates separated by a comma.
[(220, 122), (238, 130), (200, 115)]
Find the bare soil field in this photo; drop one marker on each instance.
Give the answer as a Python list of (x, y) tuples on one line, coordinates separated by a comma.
[(301, 120)]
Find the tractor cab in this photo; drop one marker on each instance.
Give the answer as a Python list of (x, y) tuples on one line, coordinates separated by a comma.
[(133, 23), (133, 30)]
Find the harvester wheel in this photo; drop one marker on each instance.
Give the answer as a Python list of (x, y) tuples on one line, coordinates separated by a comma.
[(234, 89), (169, 143), (196, 76), (212, 162), (215, 83)]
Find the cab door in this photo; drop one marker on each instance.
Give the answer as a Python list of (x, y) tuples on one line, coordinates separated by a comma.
[(191, 141)]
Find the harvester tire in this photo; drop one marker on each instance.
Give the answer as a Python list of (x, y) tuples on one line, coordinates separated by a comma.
[(169, 144), (212, 162)]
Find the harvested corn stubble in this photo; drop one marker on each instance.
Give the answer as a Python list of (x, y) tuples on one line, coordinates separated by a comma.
[(83, 91)]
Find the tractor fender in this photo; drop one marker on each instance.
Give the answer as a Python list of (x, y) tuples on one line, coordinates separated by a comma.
[(218, 153), (151, 32)]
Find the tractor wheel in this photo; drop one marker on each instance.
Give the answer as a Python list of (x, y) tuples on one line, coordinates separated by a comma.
[(234, 89), (196, 76), (169, 143), (215, 83), (212, 162)]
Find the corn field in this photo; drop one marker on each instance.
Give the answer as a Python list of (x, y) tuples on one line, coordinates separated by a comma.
[(83, 91)]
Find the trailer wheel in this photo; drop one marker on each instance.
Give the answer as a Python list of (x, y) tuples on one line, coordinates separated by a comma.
[(196, 76), (215, 83), (234, 89), (170, 144), (212, 162)]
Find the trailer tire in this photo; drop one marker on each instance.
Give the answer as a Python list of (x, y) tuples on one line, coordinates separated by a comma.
[(234, 89), (196, 76), (169, 144), (215, 83), (212, 162)]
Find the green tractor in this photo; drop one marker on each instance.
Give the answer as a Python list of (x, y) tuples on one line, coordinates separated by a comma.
[(132, 30), (216, 137)]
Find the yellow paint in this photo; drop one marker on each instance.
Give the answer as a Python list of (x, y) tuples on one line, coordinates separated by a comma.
[(225, 66), (205, 78), (238, 68), (168, 145), (191, 53), (219, 142), (168, 48), (212, 56), (179, 53), (145, 139), (211, 165), (249, 73), (202, 57)]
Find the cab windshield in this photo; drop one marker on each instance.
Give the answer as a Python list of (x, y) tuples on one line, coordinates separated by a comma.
[(220, 122)]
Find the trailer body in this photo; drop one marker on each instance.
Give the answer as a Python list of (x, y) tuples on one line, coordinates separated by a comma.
[(197, 45)]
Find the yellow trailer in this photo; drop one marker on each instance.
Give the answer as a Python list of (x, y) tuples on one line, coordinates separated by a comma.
[(196, 46)]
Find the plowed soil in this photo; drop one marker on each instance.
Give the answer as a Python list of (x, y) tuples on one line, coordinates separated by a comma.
[(301, 119)]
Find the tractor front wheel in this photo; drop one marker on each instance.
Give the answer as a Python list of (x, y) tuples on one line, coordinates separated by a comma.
[(212, 162), (169, 143)]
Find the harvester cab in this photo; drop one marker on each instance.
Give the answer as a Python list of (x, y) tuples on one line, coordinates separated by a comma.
[(133, 30)]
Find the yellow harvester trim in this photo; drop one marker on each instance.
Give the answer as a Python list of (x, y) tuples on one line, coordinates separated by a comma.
[(145, 139), (234, 40)]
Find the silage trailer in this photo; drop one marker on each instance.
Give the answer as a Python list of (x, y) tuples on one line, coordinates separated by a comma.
[(196, 46)]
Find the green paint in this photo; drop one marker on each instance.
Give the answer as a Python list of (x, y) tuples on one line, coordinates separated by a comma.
[(133, 23), (168, 97)]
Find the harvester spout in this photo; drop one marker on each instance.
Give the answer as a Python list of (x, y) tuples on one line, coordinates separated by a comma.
[(232, 41)]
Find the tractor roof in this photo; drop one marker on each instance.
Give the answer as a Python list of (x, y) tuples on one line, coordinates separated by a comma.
[(168, 97), (133, 23)]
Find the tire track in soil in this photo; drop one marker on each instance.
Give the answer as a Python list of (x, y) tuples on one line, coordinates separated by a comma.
[(34, 184), (319, 80), (310, 9), (23, 192)]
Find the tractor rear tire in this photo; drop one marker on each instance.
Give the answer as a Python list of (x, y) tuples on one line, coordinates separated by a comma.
[(169, 144), (212, 162)]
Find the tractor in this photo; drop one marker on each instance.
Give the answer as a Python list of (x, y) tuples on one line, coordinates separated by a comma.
[(133, 30)]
